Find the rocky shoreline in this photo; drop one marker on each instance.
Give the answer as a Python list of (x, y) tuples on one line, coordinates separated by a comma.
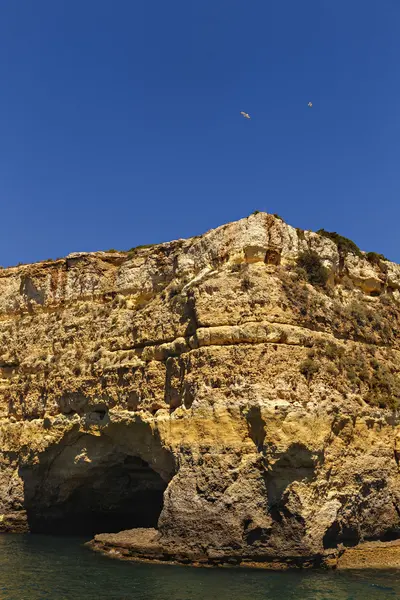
[(144, 545)]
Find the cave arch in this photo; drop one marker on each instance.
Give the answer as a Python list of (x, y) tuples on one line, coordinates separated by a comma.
[(91, 484)]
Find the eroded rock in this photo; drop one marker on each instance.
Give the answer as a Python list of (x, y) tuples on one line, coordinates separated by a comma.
[(203, 396)]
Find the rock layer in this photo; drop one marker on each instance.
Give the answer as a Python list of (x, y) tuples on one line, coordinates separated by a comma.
[(204, 387)]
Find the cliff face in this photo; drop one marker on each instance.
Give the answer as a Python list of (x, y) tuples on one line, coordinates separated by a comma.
[(204, 387)]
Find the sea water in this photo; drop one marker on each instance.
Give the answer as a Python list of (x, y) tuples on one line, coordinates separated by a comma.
[(34, 567)]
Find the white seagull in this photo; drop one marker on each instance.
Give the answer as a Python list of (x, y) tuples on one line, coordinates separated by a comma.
[(309, 104), (245, 115)]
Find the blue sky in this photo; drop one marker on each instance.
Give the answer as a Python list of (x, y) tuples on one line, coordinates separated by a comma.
[(120, 120)]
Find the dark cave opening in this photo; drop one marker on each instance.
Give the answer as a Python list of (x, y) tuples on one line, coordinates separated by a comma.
[(106, 498), (340, 534)]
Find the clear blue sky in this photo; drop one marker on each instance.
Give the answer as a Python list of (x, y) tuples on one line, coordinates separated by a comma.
[(120, 120)]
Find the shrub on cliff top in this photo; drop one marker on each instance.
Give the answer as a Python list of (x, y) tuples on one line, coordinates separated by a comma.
[(140, 247), (343, 244), (374, 258), (311, 264)]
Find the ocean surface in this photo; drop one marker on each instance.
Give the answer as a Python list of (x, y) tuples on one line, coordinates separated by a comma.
[(54, 568)]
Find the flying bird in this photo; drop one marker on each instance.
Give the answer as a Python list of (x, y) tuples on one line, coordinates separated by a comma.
[(245, 115), (309, 104)]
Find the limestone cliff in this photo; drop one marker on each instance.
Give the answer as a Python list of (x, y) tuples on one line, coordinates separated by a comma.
[(214, 388)]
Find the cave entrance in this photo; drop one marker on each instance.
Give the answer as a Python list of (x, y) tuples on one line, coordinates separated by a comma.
[(125, 496), (97, 492)]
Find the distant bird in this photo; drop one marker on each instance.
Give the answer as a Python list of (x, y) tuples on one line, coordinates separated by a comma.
[(245, 115), (309, 104)]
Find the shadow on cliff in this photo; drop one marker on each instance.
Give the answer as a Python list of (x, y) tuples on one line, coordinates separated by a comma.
[(296, 464)]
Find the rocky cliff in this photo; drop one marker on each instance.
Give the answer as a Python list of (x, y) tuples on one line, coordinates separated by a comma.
[(237, 392)]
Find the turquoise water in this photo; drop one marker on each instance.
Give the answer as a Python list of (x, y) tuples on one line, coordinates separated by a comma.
[(52, 568)]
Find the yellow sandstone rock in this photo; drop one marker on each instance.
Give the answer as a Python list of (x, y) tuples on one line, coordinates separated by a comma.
[(208, 388)]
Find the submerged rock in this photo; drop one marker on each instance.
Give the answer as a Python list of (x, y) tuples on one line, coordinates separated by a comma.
[(217, 399)]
